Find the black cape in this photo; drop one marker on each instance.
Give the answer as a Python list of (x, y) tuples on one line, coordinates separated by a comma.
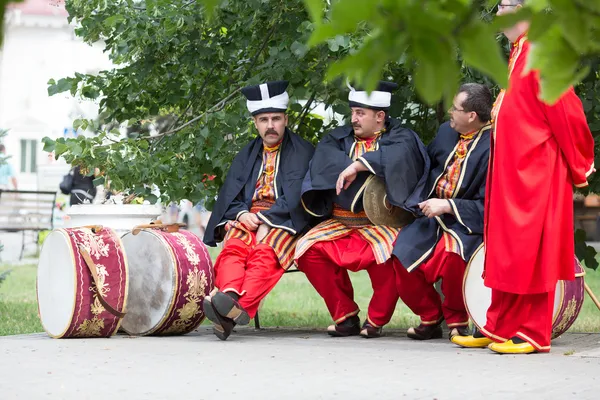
[(238, 189), (416, 242), (401, 161)]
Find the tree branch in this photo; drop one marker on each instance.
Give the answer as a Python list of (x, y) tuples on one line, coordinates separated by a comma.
[(217, 107), (260, 50), (306, 109)]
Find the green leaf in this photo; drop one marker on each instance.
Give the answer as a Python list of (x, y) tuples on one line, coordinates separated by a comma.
[(480, 50), (111, 21), (76, 149), (585, 253), (315, 9), (557, 62), (299, 49), (62, 85), (99, 181), (77, 124), (538, 5), (345, 17), (59, 149), (49, 144), (210, 6), (151, 198)]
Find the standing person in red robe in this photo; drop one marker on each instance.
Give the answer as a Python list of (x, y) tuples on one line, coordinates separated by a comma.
[(538, 152)]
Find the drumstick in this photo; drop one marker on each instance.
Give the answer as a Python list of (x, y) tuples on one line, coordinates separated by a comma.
[(591, 294), (170, 227)]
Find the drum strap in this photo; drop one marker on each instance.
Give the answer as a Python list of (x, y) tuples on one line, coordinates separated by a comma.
[(92, 267)]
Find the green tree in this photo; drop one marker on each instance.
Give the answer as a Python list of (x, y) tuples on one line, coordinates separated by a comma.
[(181, 63)]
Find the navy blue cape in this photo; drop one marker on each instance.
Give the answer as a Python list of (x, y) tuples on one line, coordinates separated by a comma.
[(238, 189), (401, 161), (416, 241)]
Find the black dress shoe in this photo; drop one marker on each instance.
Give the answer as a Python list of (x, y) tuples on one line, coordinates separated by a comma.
[(348, 327), (426, 332), (370, 332), (458, 331), (229, 307), (222, 326)]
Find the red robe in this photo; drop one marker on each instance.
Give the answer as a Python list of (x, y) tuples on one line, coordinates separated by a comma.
[(538, 152)]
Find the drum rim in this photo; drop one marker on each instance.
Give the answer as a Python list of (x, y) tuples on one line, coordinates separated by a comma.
[(119, 246), (67, 238), (174, 291), (467, 269)]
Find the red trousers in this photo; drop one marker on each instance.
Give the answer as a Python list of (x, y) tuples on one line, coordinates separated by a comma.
[(251, 272), (326, 266), (527, 316), (417, 291)]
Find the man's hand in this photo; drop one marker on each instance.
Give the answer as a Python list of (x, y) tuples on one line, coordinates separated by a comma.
[(250, 221), (348, 176), (435, 207), (262, 231)]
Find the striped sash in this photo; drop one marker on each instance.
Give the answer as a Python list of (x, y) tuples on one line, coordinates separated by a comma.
[(380, 238), (282, 242)]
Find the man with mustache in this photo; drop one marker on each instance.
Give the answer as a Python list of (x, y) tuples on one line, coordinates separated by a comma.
[(345, 160), (449, 227), (258, 213), (539, 151)]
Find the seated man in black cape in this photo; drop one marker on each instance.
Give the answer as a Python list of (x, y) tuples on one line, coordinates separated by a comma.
[(449, 229), (258, 213), (374, 146)]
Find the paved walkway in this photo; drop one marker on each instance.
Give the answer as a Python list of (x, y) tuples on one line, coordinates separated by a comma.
[(290, 364)]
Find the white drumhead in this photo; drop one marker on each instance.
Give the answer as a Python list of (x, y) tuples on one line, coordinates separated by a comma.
[(56, 285), (478, 297), (151, 282), (559, 296)]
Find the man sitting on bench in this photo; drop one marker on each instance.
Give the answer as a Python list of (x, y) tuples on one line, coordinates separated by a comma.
[(258, 213)]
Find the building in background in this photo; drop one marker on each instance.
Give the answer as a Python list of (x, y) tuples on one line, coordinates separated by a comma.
[(40, 45)]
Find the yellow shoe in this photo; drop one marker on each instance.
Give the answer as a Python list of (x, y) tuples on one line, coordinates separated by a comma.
[(471, 342), (512, 348)]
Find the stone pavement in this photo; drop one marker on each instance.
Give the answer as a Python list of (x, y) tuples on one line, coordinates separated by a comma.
[(290, 364)]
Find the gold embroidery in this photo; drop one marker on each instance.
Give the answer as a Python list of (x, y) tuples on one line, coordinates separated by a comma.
[(90, 327), (568, 315), (192, 256), (94, 244), (197, 283), (97, 307)]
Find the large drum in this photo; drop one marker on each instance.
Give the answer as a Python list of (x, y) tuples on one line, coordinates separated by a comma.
[(82, 283), (568, 297), (170, 274)]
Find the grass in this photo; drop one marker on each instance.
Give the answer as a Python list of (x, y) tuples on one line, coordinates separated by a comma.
[(293, 303), (18, 304)]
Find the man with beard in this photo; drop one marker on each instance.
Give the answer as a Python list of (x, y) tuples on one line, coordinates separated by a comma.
[(345, 160), (449, 229), (258, 213)]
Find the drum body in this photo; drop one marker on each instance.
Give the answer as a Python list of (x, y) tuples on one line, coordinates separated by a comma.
[(67, 296), (170, 274), (568, 297)]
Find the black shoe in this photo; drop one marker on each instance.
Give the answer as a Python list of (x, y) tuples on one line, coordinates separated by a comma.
[(222, 326), (229, 307), (426, 332), (458, 331), (370, 332), (348, 327)]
